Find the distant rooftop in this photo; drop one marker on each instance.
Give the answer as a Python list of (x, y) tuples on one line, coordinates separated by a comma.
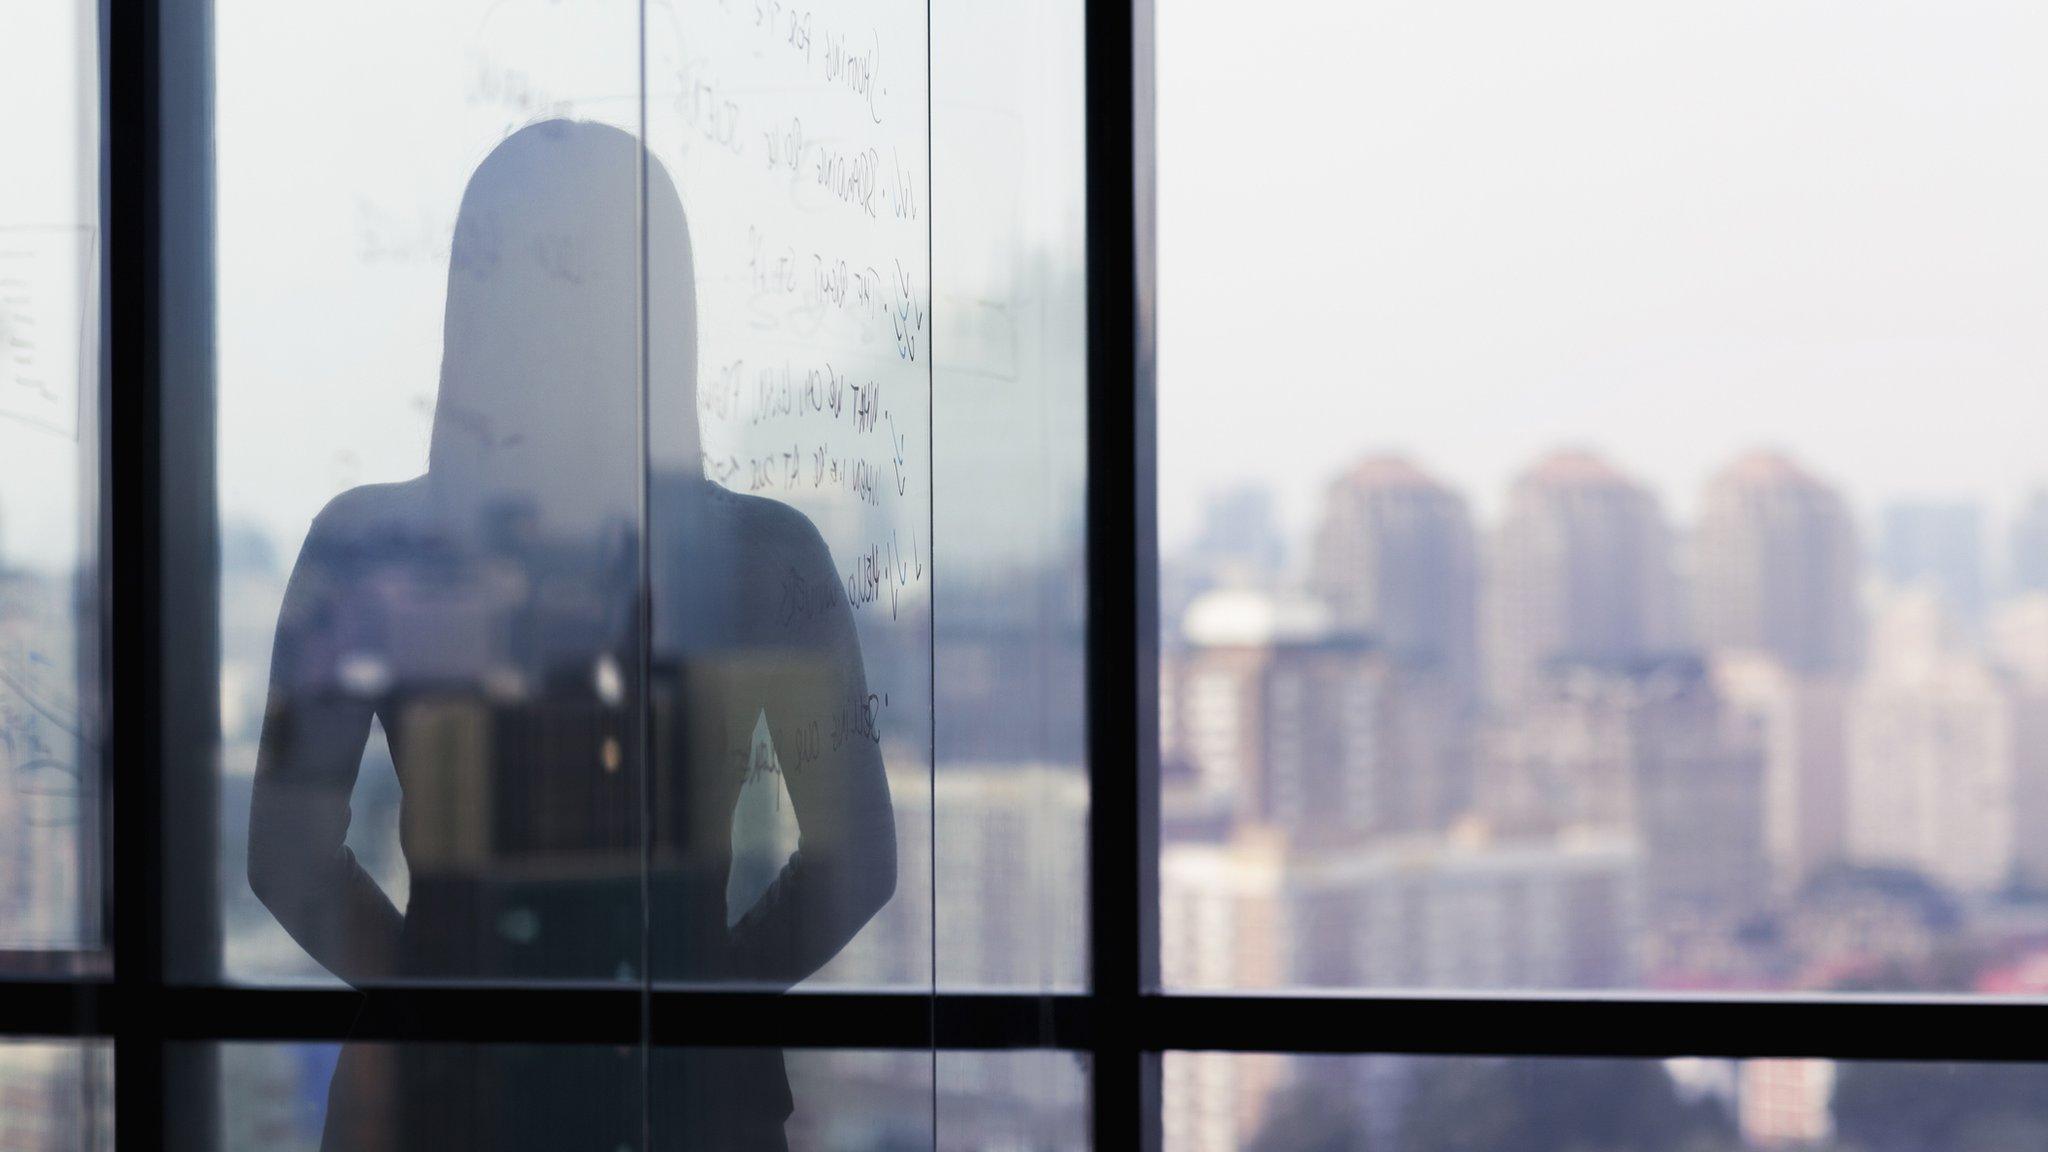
[(1575, 467), (1763, 468), (1389, 471)]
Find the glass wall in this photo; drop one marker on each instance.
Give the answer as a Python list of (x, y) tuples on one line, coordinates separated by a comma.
[(50, 902), (576, 541), (600, 393), (273, 1099), (1008, 441), (1623, 568)]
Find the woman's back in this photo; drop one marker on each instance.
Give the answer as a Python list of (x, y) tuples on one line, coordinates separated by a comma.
[(570, 640)]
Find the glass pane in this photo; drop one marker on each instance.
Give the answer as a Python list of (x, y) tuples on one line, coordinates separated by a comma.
[(276, 1098), (429, 545), (50, 899), (1035, 1101), (1220, 1102), (860, 1101), (438, 761), (1009, 437), (575, 592), (56, 1096), (397, 1098), (789, 500), (1627, 569)]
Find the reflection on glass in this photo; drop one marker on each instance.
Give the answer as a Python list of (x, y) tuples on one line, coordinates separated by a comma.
[(49, 430), (56, 1096), (1629, 570), (798, 138), (1220, 1102), (484, 616), (774, 442)]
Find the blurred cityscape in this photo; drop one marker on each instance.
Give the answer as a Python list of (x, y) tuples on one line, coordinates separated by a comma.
[(1775, 748), (55, 1096), (1437, 1104), (1582, 747), (996, 837)]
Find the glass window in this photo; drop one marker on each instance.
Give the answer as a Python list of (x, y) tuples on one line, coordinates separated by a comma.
[(1602, 522), (1034, 1100), (1008, 438), (50, 902), (56, 1096), (1221, 1102), (612, 490), (568, 375), (569, 378), (575, 539), (428, 541), (276, 1097)]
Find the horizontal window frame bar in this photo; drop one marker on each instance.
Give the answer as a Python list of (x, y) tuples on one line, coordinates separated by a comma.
[(1617, 1025), (543, 1014), (1859, 1027)]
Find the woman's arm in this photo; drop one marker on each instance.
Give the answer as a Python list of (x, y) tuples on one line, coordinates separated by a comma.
[(822, 721), (306, 764)]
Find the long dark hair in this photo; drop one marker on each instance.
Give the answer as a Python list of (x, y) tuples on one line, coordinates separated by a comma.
[(570, 275)]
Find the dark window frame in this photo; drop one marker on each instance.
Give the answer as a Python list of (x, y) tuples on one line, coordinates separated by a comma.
[(160, 598)]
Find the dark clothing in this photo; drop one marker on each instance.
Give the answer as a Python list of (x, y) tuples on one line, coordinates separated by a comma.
[(504, 677), (490, 616)]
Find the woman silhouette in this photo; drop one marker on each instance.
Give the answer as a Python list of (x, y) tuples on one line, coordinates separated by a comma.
[(488, 615)]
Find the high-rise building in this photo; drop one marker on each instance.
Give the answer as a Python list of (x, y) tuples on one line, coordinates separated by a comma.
[(2019, 647), (1579, 572), (1453, 910), (1931, 753), (1784, 1103), (1219, 1101), (1002, 850), (1237, 545), (55, 1096), (2019, 639), (1799, 721), (1652, 752), (1324, 735), (1395, 557), (1774, 566), (2030, 545), (1936, 547)]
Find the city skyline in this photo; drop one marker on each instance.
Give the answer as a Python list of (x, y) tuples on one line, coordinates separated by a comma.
[(1770, 748), (1670, 235), (2013, 542)]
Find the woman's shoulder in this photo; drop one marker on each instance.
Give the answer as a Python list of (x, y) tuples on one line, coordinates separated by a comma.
[(778, 534), (368, 516), (704, 516)]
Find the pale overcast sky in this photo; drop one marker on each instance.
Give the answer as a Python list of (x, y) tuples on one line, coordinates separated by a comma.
[(1467, 230), (1472, 229)]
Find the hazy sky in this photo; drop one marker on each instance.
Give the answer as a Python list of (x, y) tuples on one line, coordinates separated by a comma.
[(1470, 230), (344, 142), (48, 237)]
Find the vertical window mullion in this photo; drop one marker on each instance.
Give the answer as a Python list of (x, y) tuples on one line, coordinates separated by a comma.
[(158, 549), (1122, 609)]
